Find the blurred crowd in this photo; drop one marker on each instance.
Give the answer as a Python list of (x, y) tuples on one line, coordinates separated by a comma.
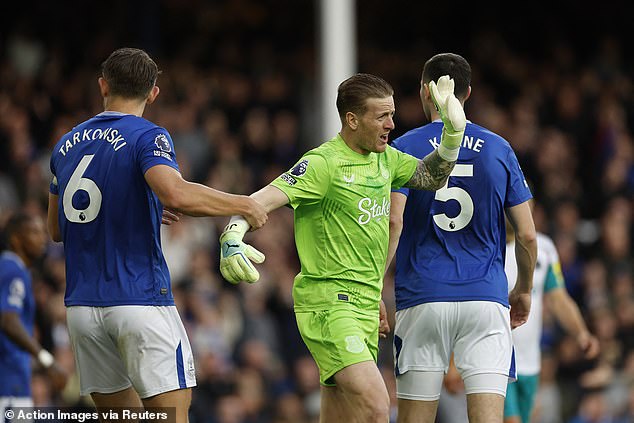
[(238, 97)]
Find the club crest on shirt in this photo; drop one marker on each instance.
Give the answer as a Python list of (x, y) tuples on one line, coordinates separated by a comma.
[(300, 168), (162, 143), (17, 292), (354, 344)]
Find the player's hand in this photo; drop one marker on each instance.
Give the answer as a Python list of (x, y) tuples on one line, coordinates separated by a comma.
[(589, 344), (520, 303), (450, 110), (58, 377), (256, 216), (384, 325), (236, 257), (170, 216)]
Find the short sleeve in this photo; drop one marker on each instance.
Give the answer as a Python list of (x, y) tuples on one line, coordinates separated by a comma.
[(305, 183), (53, 188), (402, 167), (554, 276), (517, 191), (156, 147)]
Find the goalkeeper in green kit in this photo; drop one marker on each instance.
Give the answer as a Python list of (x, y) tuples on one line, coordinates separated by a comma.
[(340, 193)]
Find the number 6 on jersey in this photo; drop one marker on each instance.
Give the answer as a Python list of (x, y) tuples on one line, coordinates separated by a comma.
[(78, 182)]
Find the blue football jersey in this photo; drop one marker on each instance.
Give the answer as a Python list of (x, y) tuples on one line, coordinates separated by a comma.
[(453, 242), (109, 217), (16, 296)]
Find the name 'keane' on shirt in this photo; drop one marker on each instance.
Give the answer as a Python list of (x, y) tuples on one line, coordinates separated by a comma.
[(468, 142), (110, 135)]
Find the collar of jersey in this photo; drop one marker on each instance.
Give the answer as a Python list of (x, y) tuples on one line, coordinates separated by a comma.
[(112, 113)]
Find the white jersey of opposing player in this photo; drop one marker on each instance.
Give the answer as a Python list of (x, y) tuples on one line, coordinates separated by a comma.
[(547, 276)]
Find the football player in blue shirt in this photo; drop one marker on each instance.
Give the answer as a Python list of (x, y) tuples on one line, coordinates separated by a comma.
[(112, 176), (26, 240), (451, 289)]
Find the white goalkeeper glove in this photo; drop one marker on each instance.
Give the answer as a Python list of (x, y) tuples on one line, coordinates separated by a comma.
[(236, 256), (452, 115)]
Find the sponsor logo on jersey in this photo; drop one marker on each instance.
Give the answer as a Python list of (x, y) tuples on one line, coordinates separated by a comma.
[(162, 143), (348, 179), (300, 168), (371, 208)]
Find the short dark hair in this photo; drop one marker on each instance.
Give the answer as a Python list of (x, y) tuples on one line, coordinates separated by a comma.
[(14, 225), (353, 93), (130, 73), (450, 64)]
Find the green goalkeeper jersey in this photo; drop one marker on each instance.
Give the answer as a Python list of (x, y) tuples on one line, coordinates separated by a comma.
[(342, 216)]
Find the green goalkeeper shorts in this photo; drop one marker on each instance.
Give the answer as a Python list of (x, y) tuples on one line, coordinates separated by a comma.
[(339, 338)]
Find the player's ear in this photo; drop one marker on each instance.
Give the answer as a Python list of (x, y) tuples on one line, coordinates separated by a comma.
[(424, 92), (352, 120), (468, 94), (103, 86), (154, 92)]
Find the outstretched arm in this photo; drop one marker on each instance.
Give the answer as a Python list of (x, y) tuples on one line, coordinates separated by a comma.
[(199, 200)]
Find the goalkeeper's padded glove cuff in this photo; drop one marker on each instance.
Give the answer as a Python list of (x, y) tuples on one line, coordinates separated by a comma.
[(450, 140), (235, 229), (448, 154)]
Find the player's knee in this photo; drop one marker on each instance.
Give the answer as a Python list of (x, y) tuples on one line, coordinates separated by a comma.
[(377, 407)]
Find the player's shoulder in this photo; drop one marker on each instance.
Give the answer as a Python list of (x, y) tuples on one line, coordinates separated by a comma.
[(10, 265), (331, 149)]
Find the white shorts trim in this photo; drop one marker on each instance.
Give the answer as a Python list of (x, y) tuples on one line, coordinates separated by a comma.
[(477, 332), (145, 347), (486, 383), (427, 386)]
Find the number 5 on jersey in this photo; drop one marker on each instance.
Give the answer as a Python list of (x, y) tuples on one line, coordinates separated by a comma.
[(78, 182), (446, 193)]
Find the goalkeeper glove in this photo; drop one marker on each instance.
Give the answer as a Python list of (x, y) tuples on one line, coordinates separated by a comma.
[(452, 115), (236, 256)]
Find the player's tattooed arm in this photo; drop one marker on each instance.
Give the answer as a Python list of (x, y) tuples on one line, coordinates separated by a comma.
[(431, 172)]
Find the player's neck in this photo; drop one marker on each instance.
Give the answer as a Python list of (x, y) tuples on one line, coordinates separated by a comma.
[(124, 105), (24, 257), (349, 138)]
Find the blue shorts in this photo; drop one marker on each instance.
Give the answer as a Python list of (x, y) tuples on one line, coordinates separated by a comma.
[(520, 397)]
